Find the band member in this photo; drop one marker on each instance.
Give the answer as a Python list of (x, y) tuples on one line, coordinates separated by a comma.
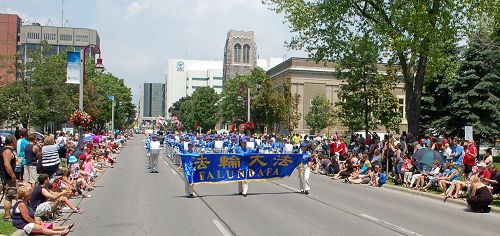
[(304, 170), (187, 186), (243, 149)]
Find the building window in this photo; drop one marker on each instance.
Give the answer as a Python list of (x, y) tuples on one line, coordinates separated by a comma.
[(66, 37), (49, 36), (217, 86), (402, 107), (237, 53), (200, 79), (82, 38), (246, 53)]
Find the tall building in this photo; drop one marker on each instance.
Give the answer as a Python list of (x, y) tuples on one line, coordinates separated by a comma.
[(309, 79), (10, 28), (183, 77), (153, 102), (240, 53), (59, 39)]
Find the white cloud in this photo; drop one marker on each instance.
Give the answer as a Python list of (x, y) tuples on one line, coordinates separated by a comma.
[(136, 7)]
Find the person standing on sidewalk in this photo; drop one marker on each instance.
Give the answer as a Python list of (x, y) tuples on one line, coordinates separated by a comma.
[(32, 153), (7, 167), (155, 147), (21, 144)]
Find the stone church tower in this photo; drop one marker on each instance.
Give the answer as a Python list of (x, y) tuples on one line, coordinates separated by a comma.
[(240, 53)]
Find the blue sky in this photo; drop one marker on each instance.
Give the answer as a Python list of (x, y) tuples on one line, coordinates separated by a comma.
[(139, 36)]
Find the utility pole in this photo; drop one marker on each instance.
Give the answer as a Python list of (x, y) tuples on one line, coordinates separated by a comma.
[(62, 13)]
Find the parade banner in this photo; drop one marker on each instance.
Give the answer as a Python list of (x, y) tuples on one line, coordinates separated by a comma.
[(73, 67), (227, 167)]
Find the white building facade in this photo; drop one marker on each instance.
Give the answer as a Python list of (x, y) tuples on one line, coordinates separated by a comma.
[(183, 77)]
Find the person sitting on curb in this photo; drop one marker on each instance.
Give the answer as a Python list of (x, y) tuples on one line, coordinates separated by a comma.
[(45, 202), (23, 217)]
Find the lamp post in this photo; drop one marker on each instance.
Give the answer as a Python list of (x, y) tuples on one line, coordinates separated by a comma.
[(99, 67), (112, 99)]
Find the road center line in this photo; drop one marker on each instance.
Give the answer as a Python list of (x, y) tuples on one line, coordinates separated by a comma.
[(393, 226), (288, 187), (221, 228)]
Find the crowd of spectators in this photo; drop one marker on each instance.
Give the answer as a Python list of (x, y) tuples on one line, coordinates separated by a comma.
[(461, 172), (40, 174)]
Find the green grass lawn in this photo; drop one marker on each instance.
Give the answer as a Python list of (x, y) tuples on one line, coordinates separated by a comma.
[(6, 228)]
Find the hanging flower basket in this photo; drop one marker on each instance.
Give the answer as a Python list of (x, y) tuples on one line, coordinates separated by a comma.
[(80, 119), (249, 126)]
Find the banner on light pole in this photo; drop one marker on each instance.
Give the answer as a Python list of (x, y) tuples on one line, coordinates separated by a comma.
[(73, 67)]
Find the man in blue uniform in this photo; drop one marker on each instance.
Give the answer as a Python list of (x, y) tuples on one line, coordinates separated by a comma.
[(243, 149), (304, 170), (188, 188)]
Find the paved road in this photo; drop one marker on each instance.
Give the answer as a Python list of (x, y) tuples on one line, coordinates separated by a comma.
[(131, 201)]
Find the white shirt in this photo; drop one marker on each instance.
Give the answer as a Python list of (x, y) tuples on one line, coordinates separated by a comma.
[(155, 145)]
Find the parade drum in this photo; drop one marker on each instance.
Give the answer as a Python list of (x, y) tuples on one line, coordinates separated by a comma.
[(288, 148), (251, 145)]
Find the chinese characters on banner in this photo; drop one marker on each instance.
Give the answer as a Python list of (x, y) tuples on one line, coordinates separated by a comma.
[(206, 168)]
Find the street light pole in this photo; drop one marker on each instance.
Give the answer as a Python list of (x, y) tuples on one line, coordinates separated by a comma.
[(113, 117), (248, 104), (83, 77)]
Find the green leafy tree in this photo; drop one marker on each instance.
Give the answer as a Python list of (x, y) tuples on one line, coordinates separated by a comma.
[(175, 109), (415, 35), (268, 105), (204, 110), (366, 100), (186, 115), (233, 100), (475, 91), (320, 115), (292, 101), (104, 85), (435, 101)]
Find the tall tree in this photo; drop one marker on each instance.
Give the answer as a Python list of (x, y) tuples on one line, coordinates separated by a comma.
[(320, 115), (233, 105), (416, 35), (175, 109), (366, 100), (104, 85), (475, 91), (204, 110), (292, 101), (268, 105)]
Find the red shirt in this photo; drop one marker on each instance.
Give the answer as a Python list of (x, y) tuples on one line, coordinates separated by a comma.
[(341, 148), (470, 156), (333, 147)]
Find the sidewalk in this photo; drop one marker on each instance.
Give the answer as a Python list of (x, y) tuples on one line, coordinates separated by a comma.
[(459, 201), (66, 215)]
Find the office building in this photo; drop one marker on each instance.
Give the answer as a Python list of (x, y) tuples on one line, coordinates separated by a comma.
[(60, 39), (153, 100), (309, 79), (10, 28), (183, 77)]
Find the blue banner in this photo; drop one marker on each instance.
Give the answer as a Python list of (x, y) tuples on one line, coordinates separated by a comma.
[(73, 68), (212, 168)]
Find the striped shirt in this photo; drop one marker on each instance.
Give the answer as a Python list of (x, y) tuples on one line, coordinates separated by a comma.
[(50, 155)]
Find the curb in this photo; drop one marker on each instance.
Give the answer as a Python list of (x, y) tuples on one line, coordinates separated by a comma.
[(435, 196), (62, 222)]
